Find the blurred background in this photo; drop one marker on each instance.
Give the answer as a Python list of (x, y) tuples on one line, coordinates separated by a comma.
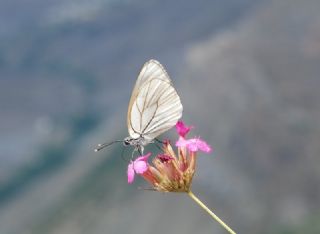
[(247, 72)]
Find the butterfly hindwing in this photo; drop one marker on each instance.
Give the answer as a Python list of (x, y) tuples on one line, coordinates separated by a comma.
[(155, 105)]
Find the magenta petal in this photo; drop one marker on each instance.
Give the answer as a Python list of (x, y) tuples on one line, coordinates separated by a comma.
[(192, 146), (182, 129), (143, 158), (130, 173), (181, 142), (197, 144), (203, 146), (140, 166)]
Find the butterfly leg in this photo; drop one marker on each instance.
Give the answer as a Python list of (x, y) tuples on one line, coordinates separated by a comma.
[(140, 149), (159, 141)]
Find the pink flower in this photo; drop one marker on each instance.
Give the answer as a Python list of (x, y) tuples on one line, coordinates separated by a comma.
[(138, 166), (182, 129), (194, 144), (170, 171)]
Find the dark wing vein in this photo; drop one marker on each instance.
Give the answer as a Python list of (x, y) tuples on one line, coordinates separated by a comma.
[(154, 113)]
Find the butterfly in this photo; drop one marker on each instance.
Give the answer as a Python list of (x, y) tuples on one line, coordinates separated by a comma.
[(154, 107)]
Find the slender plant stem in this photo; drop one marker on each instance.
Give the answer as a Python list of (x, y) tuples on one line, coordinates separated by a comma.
[(213, 215)]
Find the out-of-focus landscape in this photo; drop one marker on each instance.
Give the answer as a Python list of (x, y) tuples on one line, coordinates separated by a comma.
[(248, 73)]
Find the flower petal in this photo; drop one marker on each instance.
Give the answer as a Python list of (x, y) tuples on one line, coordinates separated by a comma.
[(203, 146), (197, 144), (130, 173), (182, 129), (143, 158), (181, 142), (140, 166)]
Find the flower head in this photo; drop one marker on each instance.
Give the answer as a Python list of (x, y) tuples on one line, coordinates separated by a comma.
[(171, 172), (182, 129)]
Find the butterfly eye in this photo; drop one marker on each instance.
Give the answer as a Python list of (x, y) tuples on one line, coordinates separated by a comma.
[(126, 142)]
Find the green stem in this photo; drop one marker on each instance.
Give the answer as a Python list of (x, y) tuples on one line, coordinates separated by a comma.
[(213, 215)]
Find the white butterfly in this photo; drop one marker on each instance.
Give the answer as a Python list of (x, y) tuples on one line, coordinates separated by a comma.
[(154, 107)]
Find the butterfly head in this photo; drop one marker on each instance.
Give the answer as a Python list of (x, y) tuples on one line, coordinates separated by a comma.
[(127, 141)]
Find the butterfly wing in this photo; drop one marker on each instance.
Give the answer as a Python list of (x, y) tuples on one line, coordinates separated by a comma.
[(155, 106)]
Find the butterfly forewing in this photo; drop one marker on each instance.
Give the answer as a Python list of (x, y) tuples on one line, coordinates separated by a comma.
[(155, 105)]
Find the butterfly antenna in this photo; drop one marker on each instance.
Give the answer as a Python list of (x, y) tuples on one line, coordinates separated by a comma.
[(104, 145)]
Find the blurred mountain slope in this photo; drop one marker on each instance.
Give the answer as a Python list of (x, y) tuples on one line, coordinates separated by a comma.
[(248, 84), (62, 66), (259, 85), (47, 62)]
